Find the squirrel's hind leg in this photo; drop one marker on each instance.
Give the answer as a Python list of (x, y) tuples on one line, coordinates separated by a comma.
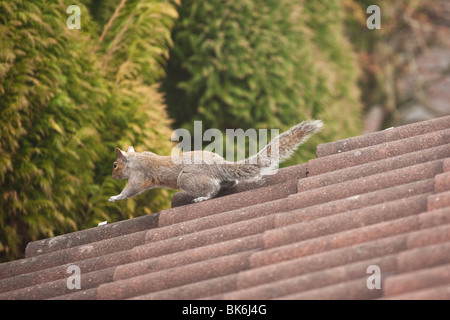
[(229, 184), (196, 180)]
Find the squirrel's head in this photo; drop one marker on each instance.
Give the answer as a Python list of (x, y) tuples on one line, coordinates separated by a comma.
[(120, 166)]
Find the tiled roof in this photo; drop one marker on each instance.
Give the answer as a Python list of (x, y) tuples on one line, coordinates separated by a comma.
[(311, 231)]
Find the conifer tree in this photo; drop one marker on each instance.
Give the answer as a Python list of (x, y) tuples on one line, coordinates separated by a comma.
[(67, 99), (263, 64)]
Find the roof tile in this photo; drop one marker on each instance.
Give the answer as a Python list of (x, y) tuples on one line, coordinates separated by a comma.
[(311, 280), (442, 182), (367, 184), (196, 290), (205, 237), (440, 200), (143, 266), (321, 261), (59, 272), (92, 235), (351, 290), (374, 167), (344, 221), (231, 202), (416, 280), (389, 149), (337, 240), (309, 231), (379, 137), (173, 277), (434, 293), (351, 203)]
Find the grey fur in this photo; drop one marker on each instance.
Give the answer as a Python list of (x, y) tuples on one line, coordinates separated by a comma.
[(146, 170)]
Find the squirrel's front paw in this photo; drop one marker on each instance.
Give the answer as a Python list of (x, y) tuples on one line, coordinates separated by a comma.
[(200, 199), (113, 198)]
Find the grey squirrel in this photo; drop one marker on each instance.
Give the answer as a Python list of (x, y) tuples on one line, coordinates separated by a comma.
[(147, 170)]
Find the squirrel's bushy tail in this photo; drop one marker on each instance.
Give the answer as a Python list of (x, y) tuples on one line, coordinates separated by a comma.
[(278, 150)]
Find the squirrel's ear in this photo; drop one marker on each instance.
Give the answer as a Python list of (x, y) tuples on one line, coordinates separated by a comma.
[(130, 149), (121, 154)]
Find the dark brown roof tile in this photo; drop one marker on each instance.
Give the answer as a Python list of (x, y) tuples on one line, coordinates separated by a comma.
[(374, 167), (442, 182), (194, 290), (349, 290), (65, 256), (143, 266), (434, 293), (174, 277), (435, 218), (231, 202), (59, 287), (205, 237), (379, 137), (92, 235), (417, 280), (60, 271), (423, 257), (310, 231), (216, 220), (367, 184), (440, 200), (321, 261), (446, 165), (311, 280), (350, 203), (344, 221), (383, 151)]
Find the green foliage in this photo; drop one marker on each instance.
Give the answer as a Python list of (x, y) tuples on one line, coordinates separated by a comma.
[(45, 155), (65, 102), (133, 45), (263, 64), (69, 97)]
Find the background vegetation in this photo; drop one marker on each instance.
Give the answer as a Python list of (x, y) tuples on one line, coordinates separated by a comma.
[(68, 97), (263, 64), (136, 70)]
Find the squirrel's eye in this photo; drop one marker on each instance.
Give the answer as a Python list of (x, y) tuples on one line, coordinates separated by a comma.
[(115, 165)]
